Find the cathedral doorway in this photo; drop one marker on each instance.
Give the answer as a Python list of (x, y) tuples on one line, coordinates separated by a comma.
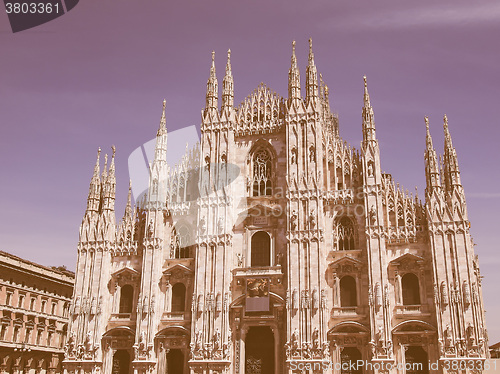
[(121, 362), (416, 360), (175, 362), (348, 357), (259, 350)]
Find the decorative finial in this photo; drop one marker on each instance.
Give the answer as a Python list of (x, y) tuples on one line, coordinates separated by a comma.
[(426, 122), (164, 104), (364, 78), (229, 53), (445, 118), (213, 56), (98, 152), (310, 45), (114, 150), (293, 47), (106, 159)]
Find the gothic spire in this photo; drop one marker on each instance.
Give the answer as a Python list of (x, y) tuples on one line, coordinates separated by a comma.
[(105, 169), (451, 170), (312, 76), (368, 118), (212, 88), (163, 121), (431, 162), (94, 196), (127, 216), (293, 78), (228, 85), (161, 136), (109, 188)]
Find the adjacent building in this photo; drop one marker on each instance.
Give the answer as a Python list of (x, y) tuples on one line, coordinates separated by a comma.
[(276, 247), (34, 309)]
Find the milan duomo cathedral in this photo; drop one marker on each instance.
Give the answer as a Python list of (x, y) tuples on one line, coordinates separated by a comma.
[(275, 247)]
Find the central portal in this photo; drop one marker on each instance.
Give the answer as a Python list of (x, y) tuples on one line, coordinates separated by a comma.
[(259, 350)]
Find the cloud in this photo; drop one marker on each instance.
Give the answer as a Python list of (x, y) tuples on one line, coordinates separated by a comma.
[(429, 16)]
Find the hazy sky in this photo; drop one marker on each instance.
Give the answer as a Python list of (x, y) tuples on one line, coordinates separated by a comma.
[(97, 76)]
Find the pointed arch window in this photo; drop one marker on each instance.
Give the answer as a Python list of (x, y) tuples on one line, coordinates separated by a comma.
[(178, 297), (345, 234), (262, 173), (261, 249), (182, 242), (411, 289), (126, 298), (348, 294)]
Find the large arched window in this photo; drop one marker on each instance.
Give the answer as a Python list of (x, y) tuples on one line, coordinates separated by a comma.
[(261, 249), (411, 289), (178, 297), (348, 295), (126, 298), (345, 234), (262, 173)]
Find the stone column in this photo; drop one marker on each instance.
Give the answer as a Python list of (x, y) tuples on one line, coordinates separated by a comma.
[(243, 334), (399, 300), (276, 351)]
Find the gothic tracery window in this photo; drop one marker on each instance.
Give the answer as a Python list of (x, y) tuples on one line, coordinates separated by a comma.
[(182, 242), (345, 234), (262, 173)]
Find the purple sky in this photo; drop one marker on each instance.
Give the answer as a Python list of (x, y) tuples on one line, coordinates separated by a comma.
[(97, 77)]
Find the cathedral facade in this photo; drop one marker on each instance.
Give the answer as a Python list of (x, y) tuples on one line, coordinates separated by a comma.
[(275, 247)]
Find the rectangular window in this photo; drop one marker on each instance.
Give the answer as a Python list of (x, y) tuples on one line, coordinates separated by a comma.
[(20, 301), (8, 298), (53, 311), (39, 337), (44, 303), (49, 338), (27, 336), (15, 336), (32, 304), (3, 331)]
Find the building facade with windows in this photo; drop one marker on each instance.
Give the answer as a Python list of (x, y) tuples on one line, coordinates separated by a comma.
[(275, 247), (34, 310)]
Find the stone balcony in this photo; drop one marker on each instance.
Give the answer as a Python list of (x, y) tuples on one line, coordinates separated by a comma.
[(274, 273), (345, 311), (175, 316), (411, 310)]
